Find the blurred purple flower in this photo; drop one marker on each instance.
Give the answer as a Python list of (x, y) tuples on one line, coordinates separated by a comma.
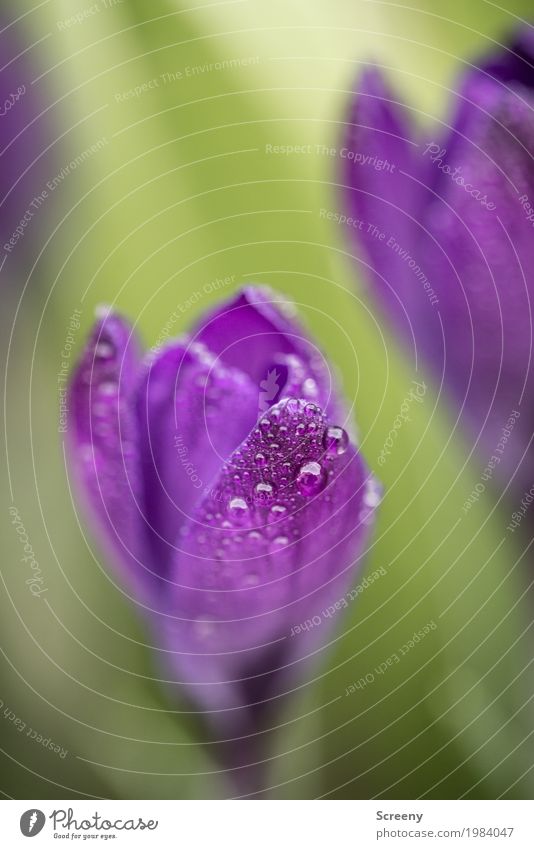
[(231, 529), (445, 222), (25, 135)]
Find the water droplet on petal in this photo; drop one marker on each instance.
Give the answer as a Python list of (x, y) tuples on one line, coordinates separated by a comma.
[(371, 497), (260, 459), (86, 452), (204, 628), (309, 387), (238, 509), (108, 387), (263, 492), (292, 406), (276, 512), (335, 441), (310, 410), (251, 580), (311, 478), (104, 350)]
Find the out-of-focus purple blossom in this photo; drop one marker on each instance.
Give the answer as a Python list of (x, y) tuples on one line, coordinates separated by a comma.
[(25, 136), (445, 224), (233, 524)]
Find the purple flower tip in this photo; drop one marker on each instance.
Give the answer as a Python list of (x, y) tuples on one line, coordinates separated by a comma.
[(232, 503), (442, 224)]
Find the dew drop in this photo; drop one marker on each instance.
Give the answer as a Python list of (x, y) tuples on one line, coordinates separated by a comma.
[(311, 478), (260, 459), (292, 406), (86, 453), (276, 512), (263, 493), (310, 410), (309, 387), (372, 496), (108, 387), (238, 509), (335, 441), (204, 628), (104, 350), (251, 580)]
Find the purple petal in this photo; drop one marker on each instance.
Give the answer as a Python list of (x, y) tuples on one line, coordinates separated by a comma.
[(463, 269), (257, 333), (104, 450), (25, 135), (486, 305), (513, 63), (277, 541), (382, 169), (193, 412)]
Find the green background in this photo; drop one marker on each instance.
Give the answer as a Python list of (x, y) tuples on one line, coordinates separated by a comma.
[(183, 192)]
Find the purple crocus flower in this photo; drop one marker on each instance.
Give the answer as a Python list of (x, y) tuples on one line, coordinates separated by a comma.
[(25, 137), (230, 498), (444, 220)]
